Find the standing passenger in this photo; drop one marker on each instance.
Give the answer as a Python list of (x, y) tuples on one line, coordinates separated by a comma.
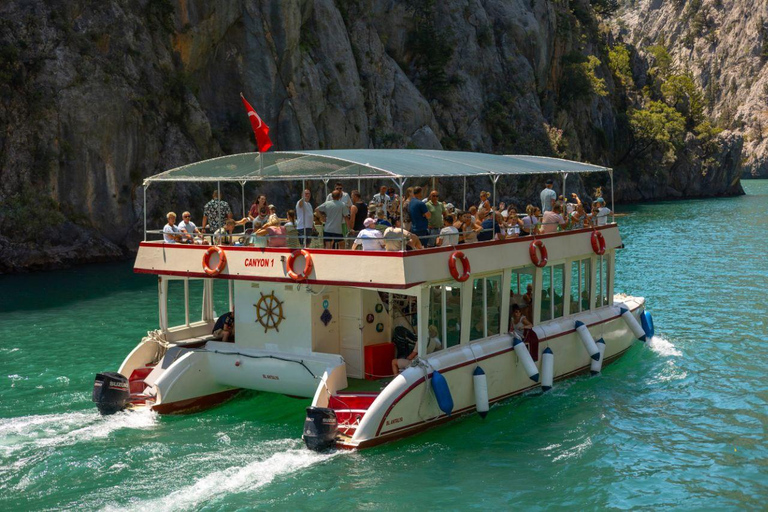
[(419, 216), (304, 217), (548, 197), (449, 235), (436, 215), (215, 212), (344, 198), (358, 213), (336, 211)]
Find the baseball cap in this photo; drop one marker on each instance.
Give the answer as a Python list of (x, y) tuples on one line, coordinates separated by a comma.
[(550, 182), (600, 200), (369, 222)]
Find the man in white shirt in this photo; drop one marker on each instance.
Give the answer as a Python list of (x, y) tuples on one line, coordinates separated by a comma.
[(304, 217), (381, 200), (344, 196), (600, 212), (548, 197), (170, 231), (449, 235), (187, 227), (370, 238)]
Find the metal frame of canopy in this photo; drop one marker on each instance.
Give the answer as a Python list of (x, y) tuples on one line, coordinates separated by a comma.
[(340, 164)]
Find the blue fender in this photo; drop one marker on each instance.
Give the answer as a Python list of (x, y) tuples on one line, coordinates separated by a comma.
[(442, 393), (646, 320)]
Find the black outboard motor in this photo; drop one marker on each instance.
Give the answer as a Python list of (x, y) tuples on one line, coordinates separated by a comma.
[(320, 428), (110, 392)]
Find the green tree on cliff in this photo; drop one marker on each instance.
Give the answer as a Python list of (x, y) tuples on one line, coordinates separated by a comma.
[(658, 126), (681, 92)]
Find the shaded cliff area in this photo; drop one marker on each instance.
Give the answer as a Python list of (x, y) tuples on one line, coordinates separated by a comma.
[(96, 96)]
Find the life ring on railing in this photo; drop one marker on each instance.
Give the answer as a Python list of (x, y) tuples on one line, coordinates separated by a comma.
[(598, 243), (307, 265), (207, 260), (458, 255), (538, 244)]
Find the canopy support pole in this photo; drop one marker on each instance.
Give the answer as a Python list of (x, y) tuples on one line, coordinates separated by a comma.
[(146, 186), (464, 203), (242, 189), (325, 183), (494, 179), (565, 176), (301, 198), (613, 218), (218, 191), (400, 182)]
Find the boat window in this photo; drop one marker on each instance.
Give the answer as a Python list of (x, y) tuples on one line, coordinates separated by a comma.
[(552, 292), (601, 280), (445, 314), (580, 274), (521, 280), (184, 306), (486, 307)]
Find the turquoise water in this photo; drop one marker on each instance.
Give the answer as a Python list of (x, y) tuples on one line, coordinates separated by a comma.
[(677, 424)]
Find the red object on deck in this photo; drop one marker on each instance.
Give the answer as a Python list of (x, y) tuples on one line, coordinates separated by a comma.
[(378, 360), (136, 380)]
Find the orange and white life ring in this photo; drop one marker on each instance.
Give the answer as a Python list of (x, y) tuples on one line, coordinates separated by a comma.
[(598, 243), (538, 244), (458, 255), (207, 261), (307, 265)]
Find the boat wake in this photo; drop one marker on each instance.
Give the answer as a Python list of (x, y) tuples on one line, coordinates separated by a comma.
[(234, 480), (54, 430), (663, 347)]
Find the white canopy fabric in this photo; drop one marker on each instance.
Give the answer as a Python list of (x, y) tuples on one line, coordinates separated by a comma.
[(366, 164)]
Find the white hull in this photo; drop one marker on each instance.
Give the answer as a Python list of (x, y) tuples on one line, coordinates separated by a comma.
[(408, 404)]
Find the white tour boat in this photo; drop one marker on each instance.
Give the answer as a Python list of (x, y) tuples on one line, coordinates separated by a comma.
[(320, 323)]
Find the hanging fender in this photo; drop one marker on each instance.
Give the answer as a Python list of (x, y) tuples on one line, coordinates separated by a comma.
[(442, 392), (547, 369), (587, 340), (596, 366), (458, 255), (535, 259), (598, 243), (307, 265), (481, 391), (525, 357), (207, 261), (646, 320), (632, 323)]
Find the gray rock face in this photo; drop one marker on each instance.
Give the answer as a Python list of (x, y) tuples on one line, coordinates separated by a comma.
[(724, 43), (95, 97)]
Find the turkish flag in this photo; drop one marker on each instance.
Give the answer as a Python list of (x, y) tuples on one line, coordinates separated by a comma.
[(260, 128)]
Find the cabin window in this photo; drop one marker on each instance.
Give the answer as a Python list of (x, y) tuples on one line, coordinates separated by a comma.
[(445, 314), (486, 307), (521, 280), (184, 301), (580, 276), (601, 280), (552, 292)]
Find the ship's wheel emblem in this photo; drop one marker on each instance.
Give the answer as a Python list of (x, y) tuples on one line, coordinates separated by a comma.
[(269, 312)]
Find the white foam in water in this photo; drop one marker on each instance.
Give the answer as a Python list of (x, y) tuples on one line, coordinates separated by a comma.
[(232, 480), (67, 428), (663, 347)]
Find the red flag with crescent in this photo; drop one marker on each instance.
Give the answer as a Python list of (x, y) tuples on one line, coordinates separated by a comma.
[(260, 128)]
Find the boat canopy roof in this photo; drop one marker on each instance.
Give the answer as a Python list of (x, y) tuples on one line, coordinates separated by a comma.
[(366, 164)]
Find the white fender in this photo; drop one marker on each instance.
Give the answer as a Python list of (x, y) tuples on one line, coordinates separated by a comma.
[(525, 357), (547, 369), (597, 365), (481, 391), (632, 322), (586, 339)]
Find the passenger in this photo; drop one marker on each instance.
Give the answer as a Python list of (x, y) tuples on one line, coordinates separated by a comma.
[(530, 221), (393, 238), (225, 235), (258, 237), (436, 210), (528, 298), (304, 217), (189, 229), (336, 212), (382, 199), (419, 216), (553, 220), (491, 228), (467, 230), (215, 213), (393, 210), (406, 214), (358, 213), (292, 236), (518, 322), (369, 238), (475, 218), (449, 235), (514, 223), (275, 235), (578, 218), (258, 204), (484, 207), (433, 343), (381, 221), (548, 197), (261, 217), (171, 233), (273, 219), (224, 328), (600, 212), (344, 197)]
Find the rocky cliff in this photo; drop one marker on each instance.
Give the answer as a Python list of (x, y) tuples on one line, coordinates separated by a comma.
[(96, 96), (724, 45)]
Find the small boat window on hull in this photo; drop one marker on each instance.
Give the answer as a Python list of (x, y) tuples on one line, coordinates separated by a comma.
[(486, 307), (552, 292), (521, 280), (580, 278), (445, 315)]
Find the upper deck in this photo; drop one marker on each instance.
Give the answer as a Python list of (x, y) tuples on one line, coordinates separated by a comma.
[(375, 269)]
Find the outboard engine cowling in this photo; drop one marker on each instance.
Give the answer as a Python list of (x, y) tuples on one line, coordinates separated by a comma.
[(320, 428), (110, 392)]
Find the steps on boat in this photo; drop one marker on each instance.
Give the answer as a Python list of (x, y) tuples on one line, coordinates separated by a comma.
[(350, 409)]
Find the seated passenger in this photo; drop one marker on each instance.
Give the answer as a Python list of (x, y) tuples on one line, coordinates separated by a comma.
[(188, 229), (518, 323), (370, 238), (171, 233), (405, 348), (258, 237), (275, 235), (449, 235), (394, 236), (291, 232), (491, 228), (225, 235), (224, 328), (466, 228), (552, 220), (433, 343), (381, 220), (600, 213)]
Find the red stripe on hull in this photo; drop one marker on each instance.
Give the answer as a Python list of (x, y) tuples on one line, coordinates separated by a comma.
[(196, 404)]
